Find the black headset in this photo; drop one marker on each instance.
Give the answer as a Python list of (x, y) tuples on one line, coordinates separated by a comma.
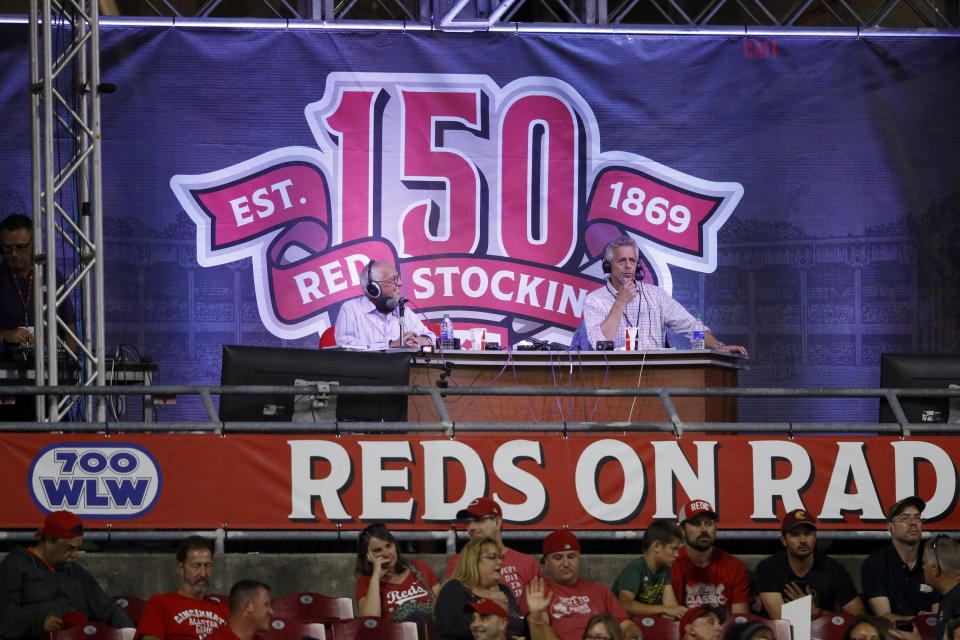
[(373, 287)]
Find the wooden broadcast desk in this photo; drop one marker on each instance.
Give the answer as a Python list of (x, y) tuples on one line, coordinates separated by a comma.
[(562, 369)]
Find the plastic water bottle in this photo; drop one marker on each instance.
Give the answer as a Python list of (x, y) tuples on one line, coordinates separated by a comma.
[(698, 339), (446, 333)]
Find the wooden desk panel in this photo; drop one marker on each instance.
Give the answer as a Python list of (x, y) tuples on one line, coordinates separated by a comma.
[(667, 368)]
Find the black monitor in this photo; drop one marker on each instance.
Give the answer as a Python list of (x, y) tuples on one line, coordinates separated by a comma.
[(275, 366), (918, 371)]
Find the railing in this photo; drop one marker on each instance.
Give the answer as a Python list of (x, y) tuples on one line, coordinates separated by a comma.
[(444, 424)]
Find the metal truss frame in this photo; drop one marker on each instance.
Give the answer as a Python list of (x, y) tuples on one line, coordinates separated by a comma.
[(486, 14), (67, 201)]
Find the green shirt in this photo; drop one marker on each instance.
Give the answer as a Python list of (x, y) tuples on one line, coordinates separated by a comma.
[(647, 586)]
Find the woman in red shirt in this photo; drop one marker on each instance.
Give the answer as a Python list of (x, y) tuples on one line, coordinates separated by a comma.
[(389, 586)]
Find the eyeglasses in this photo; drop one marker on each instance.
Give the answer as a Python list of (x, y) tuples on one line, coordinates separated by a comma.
[(11, 248), (913, 517), (933, 548), (395, 280), (491, 556)]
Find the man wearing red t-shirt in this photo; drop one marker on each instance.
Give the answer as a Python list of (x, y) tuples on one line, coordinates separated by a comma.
[(184, 614), (576, 600), (250, 611), (703, 574), (485, 520)]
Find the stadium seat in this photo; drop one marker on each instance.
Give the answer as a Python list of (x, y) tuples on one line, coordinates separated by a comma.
[(281, 629), (372, 629), (93, 631), (132, 606), (926, 625), (311, 606), (657, 627), (327, 339), (830, 626)]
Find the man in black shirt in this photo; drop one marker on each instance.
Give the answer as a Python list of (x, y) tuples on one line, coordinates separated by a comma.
[(798, 571), (941, 570), (892, 578)]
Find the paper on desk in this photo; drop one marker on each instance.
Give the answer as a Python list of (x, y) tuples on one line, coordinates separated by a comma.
[(797, 613)]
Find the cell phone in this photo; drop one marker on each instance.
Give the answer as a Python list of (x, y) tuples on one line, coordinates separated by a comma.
[(904, 625)]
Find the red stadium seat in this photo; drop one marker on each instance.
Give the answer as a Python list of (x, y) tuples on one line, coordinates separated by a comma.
[(327, 338), (372, 629), (93, 631), (926, 625), (657, 627), (132, 606), (311, 606), (830, 626), (281, 629)]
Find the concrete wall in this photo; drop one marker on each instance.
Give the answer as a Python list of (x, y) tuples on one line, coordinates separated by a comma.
[(144, 574)]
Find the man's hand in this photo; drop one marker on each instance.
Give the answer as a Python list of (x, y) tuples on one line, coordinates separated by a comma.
[(537, 599), (628, 291), (20, 336), (913, 634), (52, 623), (674, 612), (732, 348), (792, 591)]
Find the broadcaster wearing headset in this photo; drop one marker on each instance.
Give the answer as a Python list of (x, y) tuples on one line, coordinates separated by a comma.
[(625, 301), (372, 321)]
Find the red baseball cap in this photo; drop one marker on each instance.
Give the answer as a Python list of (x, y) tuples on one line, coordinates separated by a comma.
[(694, 508), (480, 507), (487, 607), (796, 518), (697, 612), (560, 540), (61, 524)]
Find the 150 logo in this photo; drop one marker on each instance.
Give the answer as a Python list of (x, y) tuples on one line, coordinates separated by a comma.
[(95, 480), (495, 202)]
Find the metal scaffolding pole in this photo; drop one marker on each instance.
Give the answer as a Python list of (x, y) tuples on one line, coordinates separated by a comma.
[(66, 202)]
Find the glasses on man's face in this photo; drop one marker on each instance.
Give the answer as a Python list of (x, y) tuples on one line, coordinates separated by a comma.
[(11, 248), (933, 548), (908, 517), (395, 280)]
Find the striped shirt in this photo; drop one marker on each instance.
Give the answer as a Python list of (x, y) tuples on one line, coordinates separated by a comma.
[(651, 311), (361, 326)]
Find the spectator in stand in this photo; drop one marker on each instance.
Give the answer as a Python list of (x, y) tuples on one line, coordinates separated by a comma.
[(250, 611), (862, 628), (704, 574), (702, 623), (184, 614), (485, 520), (750, 630), (489, 620), (892, 577), (644, 587), (941, 570), (576, 600), (476, 577), (42, 588), (602, 626), (388, 585), (799, 571)]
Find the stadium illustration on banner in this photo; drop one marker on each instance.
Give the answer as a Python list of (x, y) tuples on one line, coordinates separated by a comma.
[(494, 201)]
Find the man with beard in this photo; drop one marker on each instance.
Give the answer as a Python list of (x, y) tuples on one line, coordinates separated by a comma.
[(42, 588), (892, 577), (184, 614), (798, 571), (576, 600), (250, 611), (372, 321), (704, 574)]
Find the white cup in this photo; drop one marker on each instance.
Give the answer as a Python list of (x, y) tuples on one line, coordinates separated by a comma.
[(632, 338), (478, 337)]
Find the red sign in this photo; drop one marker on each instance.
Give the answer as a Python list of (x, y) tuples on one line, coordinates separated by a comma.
[(542, 481)]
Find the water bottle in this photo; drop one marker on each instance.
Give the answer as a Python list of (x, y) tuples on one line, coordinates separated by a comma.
[(698, 339), (446, 333)]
